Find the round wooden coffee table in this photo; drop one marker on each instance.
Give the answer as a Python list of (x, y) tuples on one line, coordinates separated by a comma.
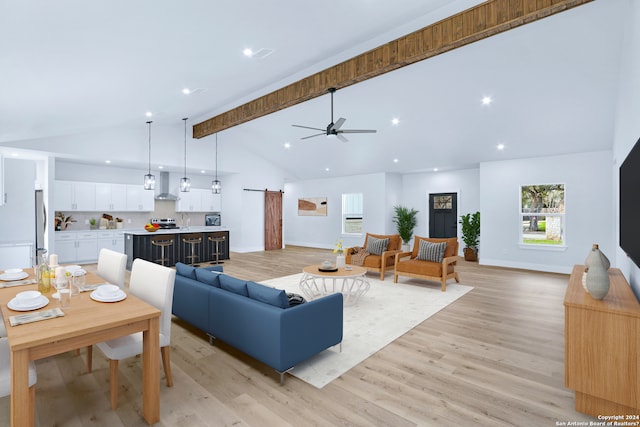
[(350, 281)]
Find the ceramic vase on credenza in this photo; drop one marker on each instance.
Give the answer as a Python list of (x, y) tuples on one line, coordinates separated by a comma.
[(597, 279)]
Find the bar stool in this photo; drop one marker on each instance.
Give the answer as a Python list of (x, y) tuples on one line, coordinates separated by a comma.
[(217, 240), (162, 242), (192, 240)]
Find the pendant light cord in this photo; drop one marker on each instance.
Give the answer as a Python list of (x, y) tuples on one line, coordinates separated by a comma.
[(216, 156), (185, 146), (149, 123)]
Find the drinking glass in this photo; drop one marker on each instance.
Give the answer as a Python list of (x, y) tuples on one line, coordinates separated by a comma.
[(77, 282), (64, 291)]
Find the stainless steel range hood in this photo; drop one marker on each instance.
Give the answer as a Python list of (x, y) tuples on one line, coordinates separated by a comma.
[(164, 188)]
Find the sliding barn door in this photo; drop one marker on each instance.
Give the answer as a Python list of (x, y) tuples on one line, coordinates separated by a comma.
[(272, 220)]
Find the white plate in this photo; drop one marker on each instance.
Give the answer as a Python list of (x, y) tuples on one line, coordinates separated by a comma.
[(72, 268), (7, 277), (118, 297), (15, 305), (13, 270)]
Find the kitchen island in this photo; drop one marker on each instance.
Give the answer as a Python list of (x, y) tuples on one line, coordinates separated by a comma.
[(140, 244)]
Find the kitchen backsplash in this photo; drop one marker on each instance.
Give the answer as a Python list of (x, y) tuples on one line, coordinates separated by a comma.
[(163, 209)]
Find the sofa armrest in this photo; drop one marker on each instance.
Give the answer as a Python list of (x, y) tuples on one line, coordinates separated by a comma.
[(401, 255), (449, 260)]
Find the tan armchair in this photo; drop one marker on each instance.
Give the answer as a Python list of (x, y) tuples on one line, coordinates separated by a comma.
[(407, 264), (379, 263)]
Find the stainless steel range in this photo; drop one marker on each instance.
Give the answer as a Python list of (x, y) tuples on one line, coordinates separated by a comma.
[(164, 222)]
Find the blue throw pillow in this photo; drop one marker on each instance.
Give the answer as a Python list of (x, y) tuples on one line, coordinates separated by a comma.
[(272, 296), (186, 270), (234, 285), (209, 277)]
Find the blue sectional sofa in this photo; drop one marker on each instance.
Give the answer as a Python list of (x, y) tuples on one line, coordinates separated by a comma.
[(256, 319)]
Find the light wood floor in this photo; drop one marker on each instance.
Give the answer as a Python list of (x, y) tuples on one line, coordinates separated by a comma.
[(492, 358)]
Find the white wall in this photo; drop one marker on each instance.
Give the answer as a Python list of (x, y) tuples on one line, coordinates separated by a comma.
[(627, 126), (324, 231), (416, 189), (588, 217)]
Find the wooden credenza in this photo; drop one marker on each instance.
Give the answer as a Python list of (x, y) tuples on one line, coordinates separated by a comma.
[(602, 347)]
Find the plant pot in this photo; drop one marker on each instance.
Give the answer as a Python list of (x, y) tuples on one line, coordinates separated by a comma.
[(470, 254)]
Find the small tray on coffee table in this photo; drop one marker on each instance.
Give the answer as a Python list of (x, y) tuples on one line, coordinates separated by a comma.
[(328, 270)]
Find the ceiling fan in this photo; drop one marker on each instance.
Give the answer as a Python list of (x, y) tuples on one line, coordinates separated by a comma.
[(334, 129)]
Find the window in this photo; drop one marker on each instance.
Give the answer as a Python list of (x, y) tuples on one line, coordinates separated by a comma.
[(542, 214), (352, 213)]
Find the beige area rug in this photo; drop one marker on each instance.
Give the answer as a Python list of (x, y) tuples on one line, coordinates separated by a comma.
[(383, 314)]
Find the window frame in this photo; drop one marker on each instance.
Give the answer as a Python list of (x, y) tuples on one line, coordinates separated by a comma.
[(562, 215), (345, 216)]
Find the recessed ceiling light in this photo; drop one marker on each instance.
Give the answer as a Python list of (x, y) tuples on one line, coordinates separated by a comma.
[(287, 145), (326, 169), (435, 169), (148, 114), (160, 167), (395, 160), (500, 146), (486, 100), (247, 52), (202, 171), (107, 161), (186, 91), (395, 121)]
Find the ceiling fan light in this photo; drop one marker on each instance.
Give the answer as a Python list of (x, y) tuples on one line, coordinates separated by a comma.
[(216, 187), (149, 182)]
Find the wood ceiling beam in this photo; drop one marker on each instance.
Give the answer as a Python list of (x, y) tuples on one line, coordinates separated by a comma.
[(479, 22)]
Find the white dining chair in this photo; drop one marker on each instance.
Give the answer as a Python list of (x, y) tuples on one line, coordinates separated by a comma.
[(5, 372), (112, 266), (152, 283)]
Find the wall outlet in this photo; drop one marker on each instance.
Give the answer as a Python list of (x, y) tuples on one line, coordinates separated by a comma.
[(129, 221), (86, 222)]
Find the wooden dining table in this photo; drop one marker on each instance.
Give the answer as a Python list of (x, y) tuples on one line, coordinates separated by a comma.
[(85, 322)]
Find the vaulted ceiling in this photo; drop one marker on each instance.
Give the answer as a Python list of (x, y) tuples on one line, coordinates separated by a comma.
[(76, 67)]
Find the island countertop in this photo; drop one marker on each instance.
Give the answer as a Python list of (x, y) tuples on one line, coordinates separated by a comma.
[(196, 229)]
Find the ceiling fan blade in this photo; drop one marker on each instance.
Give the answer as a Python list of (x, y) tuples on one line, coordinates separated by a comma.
[(307, 127), (357, 131), (339, 123), (311, 136), (341, 137)]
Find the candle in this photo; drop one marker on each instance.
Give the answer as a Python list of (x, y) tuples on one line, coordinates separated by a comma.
[(53, 260)]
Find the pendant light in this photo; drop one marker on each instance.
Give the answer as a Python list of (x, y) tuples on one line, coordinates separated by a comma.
[(149, 180), (216, 186), (185, 183)]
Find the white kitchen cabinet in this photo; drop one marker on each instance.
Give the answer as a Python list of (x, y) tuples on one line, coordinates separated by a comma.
[(76, 247), (111, 197), (190, 201), (210, 202), (139, 199), (74, 196), (112, 239)]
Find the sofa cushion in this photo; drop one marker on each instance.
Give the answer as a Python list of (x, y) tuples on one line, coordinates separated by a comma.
[(234, 285), (186, 270), (272, 296), (376, 246), (210, 277), (429, 251)]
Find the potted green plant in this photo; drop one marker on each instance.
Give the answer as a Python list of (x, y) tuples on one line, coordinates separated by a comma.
[(406, 220), (93, 223), (470, 235)]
